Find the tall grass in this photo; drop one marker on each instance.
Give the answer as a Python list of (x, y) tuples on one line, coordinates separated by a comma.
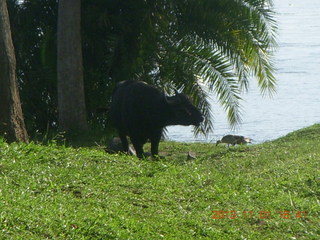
[(266, 191)]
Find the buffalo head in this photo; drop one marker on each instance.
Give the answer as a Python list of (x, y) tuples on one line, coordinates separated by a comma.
[(185, 113)]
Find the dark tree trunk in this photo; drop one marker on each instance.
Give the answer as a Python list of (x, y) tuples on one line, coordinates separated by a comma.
[(12, 125), (71, 100)]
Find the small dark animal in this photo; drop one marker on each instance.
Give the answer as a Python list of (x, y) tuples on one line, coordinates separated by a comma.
[(115, 146), (141, 111)]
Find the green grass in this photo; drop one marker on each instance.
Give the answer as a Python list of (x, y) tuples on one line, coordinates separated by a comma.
[(56, 192)]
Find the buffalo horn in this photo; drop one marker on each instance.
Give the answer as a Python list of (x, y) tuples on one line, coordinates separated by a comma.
[(170, 101)]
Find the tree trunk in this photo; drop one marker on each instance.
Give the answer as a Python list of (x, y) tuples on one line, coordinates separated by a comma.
[(71, 100), (12, 125)]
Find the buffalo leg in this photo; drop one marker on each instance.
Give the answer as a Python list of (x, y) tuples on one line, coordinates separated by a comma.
[(138, 146), (155, 139), (124, 142)]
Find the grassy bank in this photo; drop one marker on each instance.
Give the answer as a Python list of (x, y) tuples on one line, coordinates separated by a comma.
[(267, 191)]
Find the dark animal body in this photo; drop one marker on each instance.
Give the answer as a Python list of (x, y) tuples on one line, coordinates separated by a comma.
[(141, 111)]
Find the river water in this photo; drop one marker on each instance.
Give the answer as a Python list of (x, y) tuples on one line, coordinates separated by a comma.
[(297, 101)]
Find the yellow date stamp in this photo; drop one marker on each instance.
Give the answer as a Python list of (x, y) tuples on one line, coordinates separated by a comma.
[(263, 214)]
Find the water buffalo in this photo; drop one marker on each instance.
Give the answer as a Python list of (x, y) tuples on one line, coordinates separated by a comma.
[(141, 111)]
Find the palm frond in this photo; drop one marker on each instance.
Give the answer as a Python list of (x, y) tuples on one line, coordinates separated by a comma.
[(217, 72), (201, 99)]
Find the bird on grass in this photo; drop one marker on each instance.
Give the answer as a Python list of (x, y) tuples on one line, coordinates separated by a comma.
[(233, 140)]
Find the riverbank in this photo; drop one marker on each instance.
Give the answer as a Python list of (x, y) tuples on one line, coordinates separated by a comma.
[(266, 191)]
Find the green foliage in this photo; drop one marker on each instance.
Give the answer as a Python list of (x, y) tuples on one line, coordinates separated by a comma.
[(196, 46), (34, 34), (56, 192)]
